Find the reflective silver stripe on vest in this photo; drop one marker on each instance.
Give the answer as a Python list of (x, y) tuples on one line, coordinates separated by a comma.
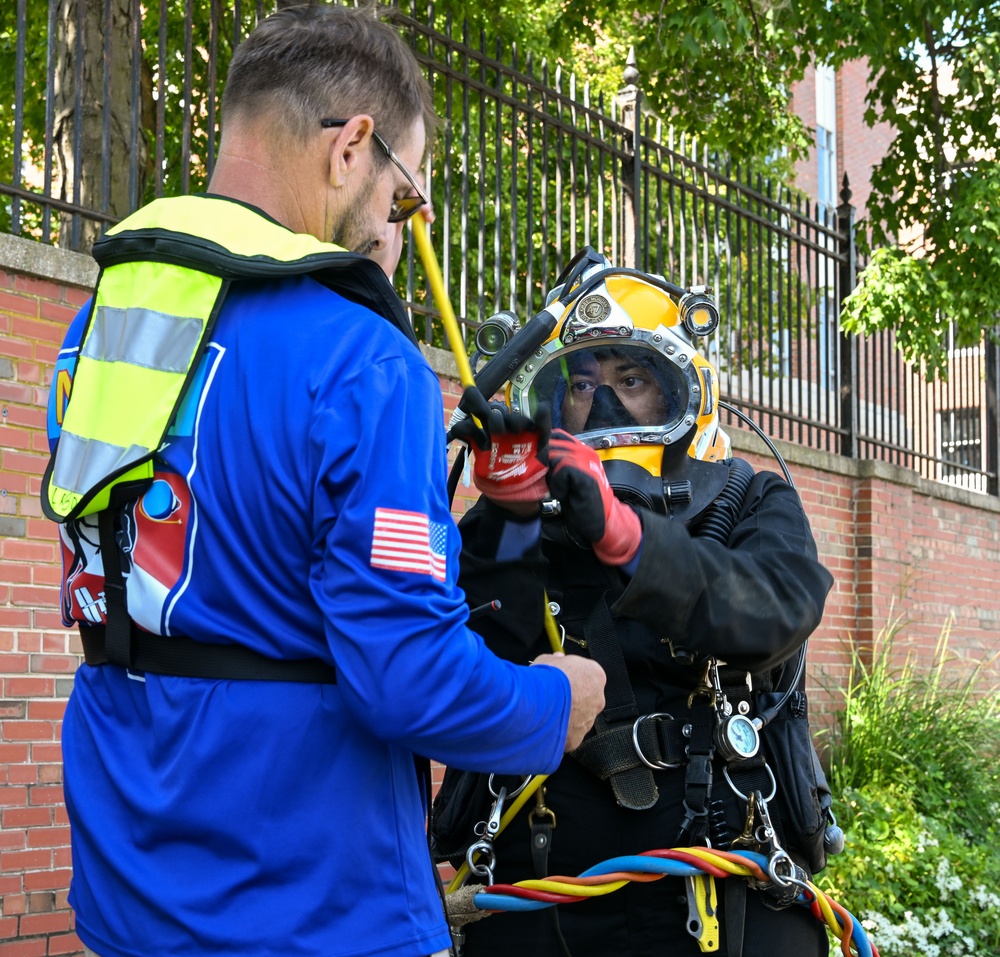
[(142, 337), (81, 459)]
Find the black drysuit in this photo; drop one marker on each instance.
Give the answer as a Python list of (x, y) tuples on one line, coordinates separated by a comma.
[(752, 604)]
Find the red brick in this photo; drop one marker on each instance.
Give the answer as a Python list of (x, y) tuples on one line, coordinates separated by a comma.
[(28, 730), (18, 306), (60, 313), (13, 797), (35, 924), (13, 840), (40, 288), (31, 860), (15, 572), (54, 664), (78, 297), (22, 774), (33, 947), (46, 880), (50, 774), (68, 944), (46, 753), (42, 795), (47, 710), (16, 461), (13, 753), (28, 687), (15, 904), (26, 817), (48, 837)]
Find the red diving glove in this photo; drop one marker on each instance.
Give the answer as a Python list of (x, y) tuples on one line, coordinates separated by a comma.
[(589, 507), (507, 469)]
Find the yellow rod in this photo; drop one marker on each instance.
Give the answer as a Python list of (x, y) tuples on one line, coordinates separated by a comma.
[(436, 281)]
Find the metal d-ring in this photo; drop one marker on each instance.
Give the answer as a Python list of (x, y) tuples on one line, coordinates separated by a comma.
[(746, 797), (510, 794), (655, 765)]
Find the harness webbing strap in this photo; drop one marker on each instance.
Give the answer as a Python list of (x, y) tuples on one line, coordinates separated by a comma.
[(118, 632), (634, 786), (186, 658)]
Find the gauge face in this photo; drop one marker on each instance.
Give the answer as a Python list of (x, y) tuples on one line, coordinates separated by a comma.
[(741, 736)]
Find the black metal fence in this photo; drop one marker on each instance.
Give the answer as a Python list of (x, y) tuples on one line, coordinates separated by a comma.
[(109, 103)]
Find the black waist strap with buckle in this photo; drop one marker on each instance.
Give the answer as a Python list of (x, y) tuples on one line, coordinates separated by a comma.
[(186, 658)]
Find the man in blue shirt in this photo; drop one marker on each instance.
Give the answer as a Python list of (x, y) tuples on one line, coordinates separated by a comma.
[(297, 512)]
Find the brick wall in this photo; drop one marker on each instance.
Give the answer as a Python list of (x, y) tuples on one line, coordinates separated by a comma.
[(887, 535), (40, 290)]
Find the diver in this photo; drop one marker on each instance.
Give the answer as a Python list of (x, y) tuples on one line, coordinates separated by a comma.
[(695, 582)]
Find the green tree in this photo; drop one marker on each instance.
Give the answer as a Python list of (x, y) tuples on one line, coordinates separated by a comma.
[(720, 70)]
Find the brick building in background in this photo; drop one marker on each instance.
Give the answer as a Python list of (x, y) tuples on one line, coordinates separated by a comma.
[(832, 104)]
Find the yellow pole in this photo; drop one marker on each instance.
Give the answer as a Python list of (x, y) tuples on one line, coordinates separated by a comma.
[(436, 281)]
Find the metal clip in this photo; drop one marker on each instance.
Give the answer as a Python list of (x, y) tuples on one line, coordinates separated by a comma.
[(491, 826), (780, 866), (705, 687), (541, 810), (484, 848), (746, 838)]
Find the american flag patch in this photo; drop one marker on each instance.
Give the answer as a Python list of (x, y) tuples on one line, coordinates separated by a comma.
[(408, 542)]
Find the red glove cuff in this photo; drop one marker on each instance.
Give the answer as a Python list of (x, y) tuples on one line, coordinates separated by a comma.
[(622, 536)]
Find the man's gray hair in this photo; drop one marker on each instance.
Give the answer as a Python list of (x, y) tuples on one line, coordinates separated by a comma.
[(315, 61)]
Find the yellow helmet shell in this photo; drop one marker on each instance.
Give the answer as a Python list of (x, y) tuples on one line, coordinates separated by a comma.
[(623, 330)]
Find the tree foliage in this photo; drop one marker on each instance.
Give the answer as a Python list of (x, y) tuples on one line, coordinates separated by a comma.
[(935, 206)]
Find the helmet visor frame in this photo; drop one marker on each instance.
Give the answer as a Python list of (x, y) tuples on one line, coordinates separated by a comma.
[(641, 389)]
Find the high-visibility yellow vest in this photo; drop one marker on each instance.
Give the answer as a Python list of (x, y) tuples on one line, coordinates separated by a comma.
[(165, 272)]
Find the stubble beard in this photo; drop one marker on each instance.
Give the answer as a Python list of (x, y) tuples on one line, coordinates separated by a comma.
[(349, 228)]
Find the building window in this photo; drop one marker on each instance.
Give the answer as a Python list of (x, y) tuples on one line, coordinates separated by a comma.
[(826, 139), (827, 341)]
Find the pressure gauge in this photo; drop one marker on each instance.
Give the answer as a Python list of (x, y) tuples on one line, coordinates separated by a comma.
[(736, 738)]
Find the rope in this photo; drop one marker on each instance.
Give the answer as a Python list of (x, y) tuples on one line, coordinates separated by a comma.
[(610, 875)]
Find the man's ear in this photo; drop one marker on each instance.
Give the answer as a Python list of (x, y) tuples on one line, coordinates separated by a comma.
[(349, 150)]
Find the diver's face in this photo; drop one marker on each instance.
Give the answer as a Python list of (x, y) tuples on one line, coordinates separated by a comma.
[(633, 384)]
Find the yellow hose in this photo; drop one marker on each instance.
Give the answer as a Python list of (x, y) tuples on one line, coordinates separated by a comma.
[(436, 281)]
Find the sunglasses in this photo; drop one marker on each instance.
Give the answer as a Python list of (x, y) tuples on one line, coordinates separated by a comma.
[(401, 209)]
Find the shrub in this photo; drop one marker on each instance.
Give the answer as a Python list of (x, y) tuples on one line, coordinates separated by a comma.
[(914, 765)]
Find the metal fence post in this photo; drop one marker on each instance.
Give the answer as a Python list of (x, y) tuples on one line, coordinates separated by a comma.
[(628, 99), (991, 456), (846, 280)]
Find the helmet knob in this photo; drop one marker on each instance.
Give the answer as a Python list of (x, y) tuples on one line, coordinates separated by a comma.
[(677, 493)]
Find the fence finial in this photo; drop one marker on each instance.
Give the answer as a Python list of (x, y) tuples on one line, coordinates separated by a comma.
[(631, 74), (845, 191)]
